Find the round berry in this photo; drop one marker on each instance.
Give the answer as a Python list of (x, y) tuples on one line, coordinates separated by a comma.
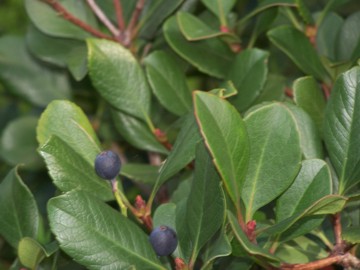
[(163, 240), (107, 165)]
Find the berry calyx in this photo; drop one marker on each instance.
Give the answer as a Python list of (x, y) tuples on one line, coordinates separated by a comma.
[(163, 240), (107, 165)]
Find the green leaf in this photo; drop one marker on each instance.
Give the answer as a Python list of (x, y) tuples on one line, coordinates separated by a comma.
[(18, 143), (298, 47), (62, 52), (351, 235), (218, 246), (248, 73), (195, 29), (310, 141), (68, 122), (313, 176), (220, 8), (264, 5), (271, 130), (27, 78), (273, 89), (210, 56), (329, 204), (183, 151), (254, 250), (300, 250), (168, 82), (349, 39), (18, 210), (143, 173), (226, 138), (308, 96), (97, 236), (69, 170), (154, 15), (30, 252), (304, 12), (52, 23), (165, 215), (327, 36), (341, 129), (205, 212), (113, 71), (136, 132)]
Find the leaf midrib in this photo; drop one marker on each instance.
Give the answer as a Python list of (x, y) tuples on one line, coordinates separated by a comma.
[(104, 236)]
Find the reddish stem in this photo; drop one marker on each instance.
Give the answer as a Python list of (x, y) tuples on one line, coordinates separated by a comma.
[(71, 18), (129, 35), (326, 90), (119, 15), (337, 229), (162, 138), (289, 92)]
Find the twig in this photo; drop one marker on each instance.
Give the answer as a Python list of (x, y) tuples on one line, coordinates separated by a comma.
[(103, 18), (133, 20), (119, 15), (71, 18), (337, 229)]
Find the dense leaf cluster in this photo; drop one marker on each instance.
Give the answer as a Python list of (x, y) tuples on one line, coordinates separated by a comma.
[(236, 122)]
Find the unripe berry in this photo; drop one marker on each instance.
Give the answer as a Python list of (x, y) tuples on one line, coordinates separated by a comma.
[(163, 240), (107, 165)]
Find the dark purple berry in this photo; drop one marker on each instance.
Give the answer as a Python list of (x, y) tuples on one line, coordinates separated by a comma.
[(107, 165), (163, 240)]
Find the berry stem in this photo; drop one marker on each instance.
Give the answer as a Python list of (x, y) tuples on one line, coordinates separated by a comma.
[(117, 195), (119, 15)]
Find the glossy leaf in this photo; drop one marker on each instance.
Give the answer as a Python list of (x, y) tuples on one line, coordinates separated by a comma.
[(218, 246), (18, 210), (275, 155), (313, 176), (349, 38), (67, 121), (250, 248), (27, 78), (310, 141), (300, 250), (183, 151), (226, 138), (69, 170), (50, 22), (351, 235), (30, 252), (62, 52), (113, 71), (273, 89), (185, 242), (195, 29), (165, 215), (143, 173), (308, 96), (298, 47), (136, 132), (219, 7), (155, 14), (210, 56), (248, 73), (86, 227), (205, 212), (18, 143), (341, 129), (168, 82), (329, 204), (327, 36)]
